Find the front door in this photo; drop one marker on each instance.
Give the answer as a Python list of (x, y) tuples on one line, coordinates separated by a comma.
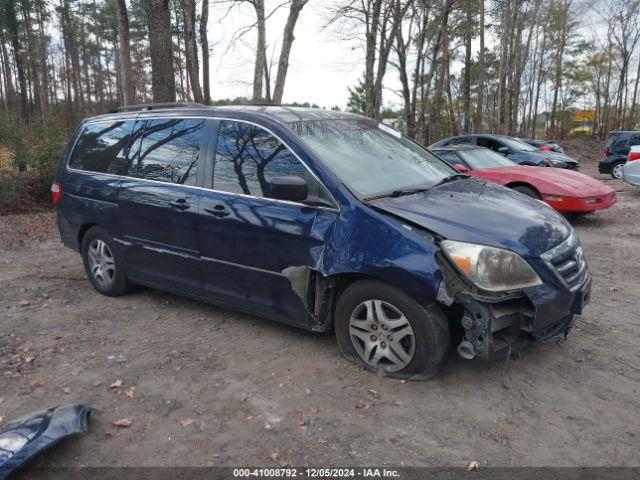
[(255, 249), (158, 206)]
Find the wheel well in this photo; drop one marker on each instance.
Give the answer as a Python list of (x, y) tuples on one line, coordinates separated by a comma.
[(523, 184), (83, 229), (340, 283)]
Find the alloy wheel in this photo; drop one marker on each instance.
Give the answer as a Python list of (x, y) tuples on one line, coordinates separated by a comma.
[(382, 335), (101, 262)]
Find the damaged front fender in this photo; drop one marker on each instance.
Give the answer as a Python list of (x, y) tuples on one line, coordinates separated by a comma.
[(26, 437)]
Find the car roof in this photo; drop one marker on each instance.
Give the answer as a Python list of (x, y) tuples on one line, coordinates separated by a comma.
[(461, 146), (281, 114)]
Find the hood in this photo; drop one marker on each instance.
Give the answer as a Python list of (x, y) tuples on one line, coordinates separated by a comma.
[(476, 211), (578, 184), (555, 156)]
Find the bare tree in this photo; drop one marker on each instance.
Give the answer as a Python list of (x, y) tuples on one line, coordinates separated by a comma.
[(204, 47), (191, 48), (161, 50), (287, 41), (124, 51)]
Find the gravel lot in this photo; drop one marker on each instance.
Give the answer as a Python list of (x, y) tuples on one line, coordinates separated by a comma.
[(208, 386)]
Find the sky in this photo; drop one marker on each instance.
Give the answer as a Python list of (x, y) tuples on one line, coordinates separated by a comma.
[(322, 64), (325, 59)]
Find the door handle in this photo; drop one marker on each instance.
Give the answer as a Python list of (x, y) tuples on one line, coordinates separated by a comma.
[(180, 204), (218, 211)]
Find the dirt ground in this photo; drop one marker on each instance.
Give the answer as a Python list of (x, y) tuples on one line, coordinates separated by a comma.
[(207, 386)]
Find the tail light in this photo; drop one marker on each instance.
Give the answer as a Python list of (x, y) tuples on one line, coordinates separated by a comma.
[(545, 148), (56, 191), (633, 156), (605, 152)]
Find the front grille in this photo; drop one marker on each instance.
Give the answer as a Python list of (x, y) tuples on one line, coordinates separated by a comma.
[(568, 263)]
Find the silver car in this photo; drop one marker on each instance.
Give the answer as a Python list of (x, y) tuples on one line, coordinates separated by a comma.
[(631, 169)]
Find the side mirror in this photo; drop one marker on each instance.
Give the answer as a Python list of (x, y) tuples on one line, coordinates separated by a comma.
[(503, 150), (287, 187), (460, 167)]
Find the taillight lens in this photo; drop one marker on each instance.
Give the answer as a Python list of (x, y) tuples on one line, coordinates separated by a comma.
[(605, 151), (56, 191), (545, 148), (633, 156)]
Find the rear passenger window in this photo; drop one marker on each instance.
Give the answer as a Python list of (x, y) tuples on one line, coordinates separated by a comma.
[(635, 140), (169, 151), (248, 156), (102, 147)]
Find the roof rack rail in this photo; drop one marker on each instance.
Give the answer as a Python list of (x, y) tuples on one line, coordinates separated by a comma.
[(156, 106)]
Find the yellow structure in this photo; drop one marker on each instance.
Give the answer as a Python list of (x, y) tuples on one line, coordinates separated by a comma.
[(582, 122)]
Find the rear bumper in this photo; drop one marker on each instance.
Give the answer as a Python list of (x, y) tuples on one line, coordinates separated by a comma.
[(580, 204), (604, 166)]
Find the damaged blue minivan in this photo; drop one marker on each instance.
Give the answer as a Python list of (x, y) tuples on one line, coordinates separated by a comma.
[(323, 220)]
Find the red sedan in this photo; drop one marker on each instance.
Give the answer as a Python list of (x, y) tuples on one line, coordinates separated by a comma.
[(566, 191)]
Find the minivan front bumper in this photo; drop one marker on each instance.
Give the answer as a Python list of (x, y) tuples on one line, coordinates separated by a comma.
[(494, 323)]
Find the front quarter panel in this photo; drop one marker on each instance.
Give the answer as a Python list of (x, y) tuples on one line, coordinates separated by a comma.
[(364, 241)]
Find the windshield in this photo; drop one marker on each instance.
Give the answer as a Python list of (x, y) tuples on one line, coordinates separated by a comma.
[(371, 160), (517, 145), (483, 159)]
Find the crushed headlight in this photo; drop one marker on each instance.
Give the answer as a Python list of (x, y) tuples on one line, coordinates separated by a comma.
[(493, 269)]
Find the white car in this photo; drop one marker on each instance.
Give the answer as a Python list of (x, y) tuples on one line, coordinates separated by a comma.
[(631, 169)]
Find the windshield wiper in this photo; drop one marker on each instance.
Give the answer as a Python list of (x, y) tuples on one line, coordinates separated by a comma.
[(451, 178), (397, 193)]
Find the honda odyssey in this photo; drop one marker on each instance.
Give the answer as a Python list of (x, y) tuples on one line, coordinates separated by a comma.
[(323, 220)]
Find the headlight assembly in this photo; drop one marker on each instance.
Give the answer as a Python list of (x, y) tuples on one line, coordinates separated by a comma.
[(493, 269)]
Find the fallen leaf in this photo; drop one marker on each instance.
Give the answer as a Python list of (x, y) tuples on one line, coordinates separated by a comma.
[(123, 422), (35, 385), (116, 384), (185, 422), (315, 409), (29, 359), (44, 305), (360, 405), (274, 456), (373, 392), (66, 390), (129, 393), (473, 465), (24, 302), (1, 418)]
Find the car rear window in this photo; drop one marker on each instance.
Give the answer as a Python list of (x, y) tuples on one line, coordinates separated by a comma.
[(616, 141), (102, 147)]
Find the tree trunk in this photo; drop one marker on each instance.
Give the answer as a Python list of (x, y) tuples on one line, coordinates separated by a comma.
[(161, 50), (204, 47), (261, 54), (287, 41), (12, 25), (124, 51), (466, 90), (191, 48), (480, 110)]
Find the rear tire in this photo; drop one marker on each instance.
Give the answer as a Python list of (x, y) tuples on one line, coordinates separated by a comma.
[(104, 263), (616, 170), (528, 191), (384, 330)]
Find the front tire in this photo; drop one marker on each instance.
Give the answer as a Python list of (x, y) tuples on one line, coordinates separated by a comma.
[(528, 191), (104, 263), (382, 329)]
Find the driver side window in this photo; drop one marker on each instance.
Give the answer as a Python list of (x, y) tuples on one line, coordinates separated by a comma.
[(489, 143), (248, 156)]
